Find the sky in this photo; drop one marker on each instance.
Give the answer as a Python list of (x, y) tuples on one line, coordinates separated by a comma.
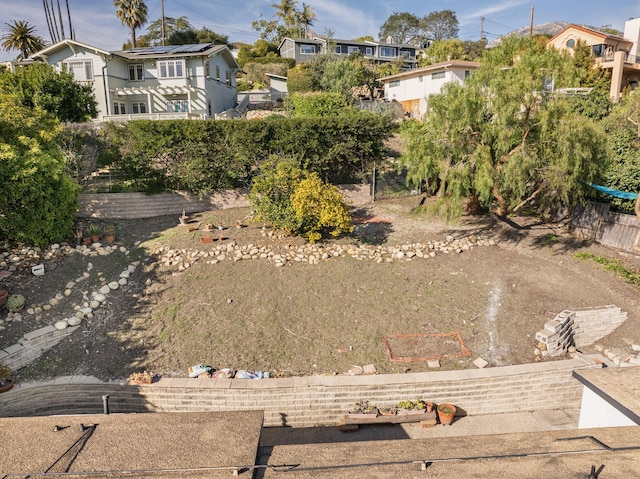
[(95, 23)]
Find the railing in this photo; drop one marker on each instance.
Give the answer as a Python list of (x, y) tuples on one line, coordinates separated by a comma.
[(609, 57), (154, 116)]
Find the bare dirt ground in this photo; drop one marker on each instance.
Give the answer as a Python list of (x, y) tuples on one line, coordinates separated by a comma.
[(324, 318)]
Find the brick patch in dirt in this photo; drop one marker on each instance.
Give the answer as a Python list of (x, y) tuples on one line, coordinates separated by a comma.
[(413, 348)]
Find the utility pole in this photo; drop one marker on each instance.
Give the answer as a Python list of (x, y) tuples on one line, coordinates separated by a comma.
[(481, 28), (162, 19), (531, 22)]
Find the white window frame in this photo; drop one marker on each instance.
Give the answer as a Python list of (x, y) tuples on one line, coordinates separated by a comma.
[(437, 75), (171, 69), (338, 49), (119, 107), (140, 106), (136, 71), (387, 52), (394, 83), (305, 47), (177, 106), (84, 66), (369, 51), (228, 78)]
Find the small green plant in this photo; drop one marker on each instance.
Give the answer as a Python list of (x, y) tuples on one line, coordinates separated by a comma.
[(363, 407), (613, 266), (445, 409), (418, 404), (109, 230), (5, 374), (94, 230), (15, 302)]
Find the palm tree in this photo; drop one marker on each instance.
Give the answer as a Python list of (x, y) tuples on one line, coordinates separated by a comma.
[(306, 18), (133, 14), (286, 11), (21, 36)]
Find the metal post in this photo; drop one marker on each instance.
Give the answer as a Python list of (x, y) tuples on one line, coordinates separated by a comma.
[(105, 404)]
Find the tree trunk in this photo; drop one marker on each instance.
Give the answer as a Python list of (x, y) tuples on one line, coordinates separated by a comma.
[(133, 37), (501, 210)]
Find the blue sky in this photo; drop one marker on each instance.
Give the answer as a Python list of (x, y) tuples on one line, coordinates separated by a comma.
[(95, 22)]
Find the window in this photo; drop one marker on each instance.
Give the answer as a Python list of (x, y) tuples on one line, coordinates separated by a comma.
[(437, 75), (217, 73), (394, 83), (308, 49), (119, 108), (138, 107), (136, 72), (228, 78), (178, 106), (81, 70), (207, 71), (171, 69), (209, 107), (353, 49), (406, 54), (420, 79), (369, 50), (571, 43), (388, 52), (338, 49), (466, 74)]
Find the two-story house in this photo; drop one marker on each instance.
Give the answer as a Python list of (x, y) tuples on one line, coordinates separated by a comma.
[(303, 50), (617, 55), (412, 88), (168, 82)]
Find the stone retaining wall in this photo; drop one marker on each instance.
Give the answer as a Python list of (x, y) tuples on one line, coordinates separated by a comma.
[(140, 205), (578, 328), (313, 400), (32, 345)]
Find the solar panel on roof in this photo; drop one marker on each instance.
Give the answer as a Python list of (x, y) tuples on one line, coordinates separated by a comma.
[(170, 49)]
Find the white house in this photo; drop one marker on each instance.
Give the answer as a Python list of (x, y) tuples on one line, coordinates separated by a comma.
[(412, 88), (169, 82)]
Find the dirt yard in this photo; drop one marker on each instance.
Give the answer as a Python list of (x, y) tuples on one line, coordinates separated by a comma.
[(323, 318)]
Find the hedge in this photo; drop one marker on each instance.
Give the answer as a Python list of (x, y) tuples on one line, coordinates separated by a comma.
[(204, 155)]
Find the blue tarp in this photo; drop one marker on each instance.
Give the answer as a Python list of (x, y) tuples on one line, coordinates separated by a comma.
[(618, 194)]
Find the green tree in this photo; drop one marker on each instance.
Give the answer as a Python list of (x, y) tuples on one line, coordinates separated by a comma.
[(439, 25), (341, 76), (132, 14), (401, 26), (40, 86), (305, 19), (316, 104), (21, 36), (38, 200), (442, 51), (503, 139)]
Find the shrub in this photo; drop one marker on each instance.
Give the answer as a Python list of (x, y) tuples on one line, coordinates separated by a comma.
[(315, 104), (298, 202)]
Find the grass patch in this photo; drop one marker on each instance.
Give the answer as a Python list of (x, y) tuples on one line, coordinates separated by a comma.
[(613, 266)]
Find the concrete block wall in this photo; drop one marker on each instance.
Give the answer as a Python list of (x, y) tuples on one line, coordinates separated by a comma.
[(139, 205), (578, 328), (32, 345), (312, 400)]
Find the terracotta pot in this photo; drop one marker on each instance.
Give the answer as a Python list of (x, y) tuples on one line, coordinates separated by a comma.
[(110, 238), (206, 239), (95, 238), (7, 385), (86, 241), (3, 296), (446, 413)]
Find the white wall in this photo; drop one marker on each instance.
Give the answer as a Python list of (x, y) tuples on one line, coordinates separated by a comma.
[(632, 32), (596, 412)]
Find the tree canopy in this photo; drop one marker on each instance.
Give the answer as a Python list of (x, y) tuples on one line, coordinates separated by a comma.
[(288, 22), (132, 14), (405, 27), (21, 36), (40, 86), (504, 138)]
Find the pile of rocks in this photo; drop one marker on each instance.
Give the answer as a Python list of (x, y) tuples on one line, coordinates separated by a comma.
[(314, 253), (620, 356)]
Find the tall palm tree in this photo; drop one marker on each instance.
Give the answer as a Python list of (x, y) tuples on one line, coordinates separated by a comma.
[(286, 11), (306, 17), (21, 36), (133, 14)]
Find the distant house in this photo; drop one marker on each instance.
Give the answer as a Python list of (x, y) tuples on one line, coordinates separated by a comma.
[(176, 81), (617, 55), (303, 50), (412, 88)]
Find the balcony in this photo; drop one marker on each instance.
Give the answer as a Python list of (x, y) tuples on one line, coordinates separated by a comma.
[(154, 116)]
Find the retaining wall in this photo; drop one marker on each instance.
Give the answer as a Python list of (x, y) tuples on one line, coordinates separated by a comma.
[(313, 400), (578, 328), (31, 346), (139, 205)]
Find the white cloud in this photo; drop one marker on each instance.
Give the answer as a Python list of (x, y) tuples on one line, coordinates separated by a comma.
[(490, 10)]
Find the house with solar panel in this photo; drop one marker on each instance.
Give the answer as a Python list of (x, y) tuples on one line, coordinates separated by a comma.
[(156, 83)]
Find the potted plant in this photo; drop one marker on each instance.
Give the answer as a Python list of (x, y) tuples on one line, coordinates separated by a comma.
[(15, 302), (363, 409), (109, 233), (144, 377), (412, 407), (184, 219), (78, 236), (388, 411), (6, 381), (4, 294), (446, 413), (94, 233)]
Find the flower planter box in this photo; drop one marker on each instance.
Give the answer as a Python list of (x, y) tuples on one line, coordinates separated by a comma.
[(364, 415), (412, 412)]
